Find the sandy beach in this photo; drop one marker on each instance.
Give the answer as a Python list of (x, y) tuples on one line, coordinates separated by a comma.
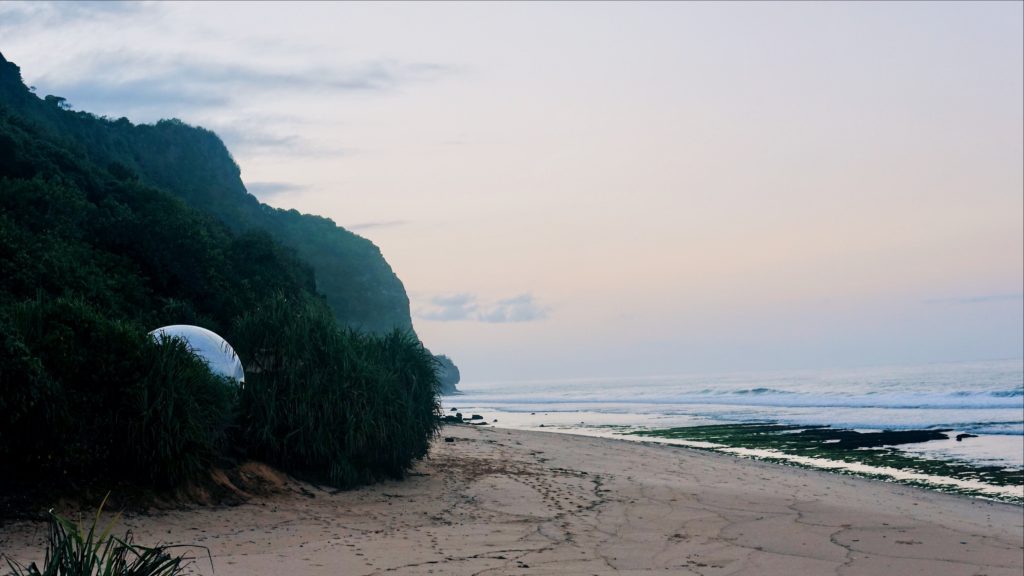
[(496, 501)]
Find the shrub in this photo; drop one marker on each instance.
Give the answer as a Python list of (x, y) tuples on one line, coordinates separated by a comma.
[(402, 398), (176, 416), (94, 400), (28, 401), (339, 406), (71, 403), (292, 410)]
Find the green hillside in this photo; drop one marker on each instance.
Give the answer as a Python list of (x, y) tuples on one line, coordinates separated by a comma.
[(96, 249), (193, 164)]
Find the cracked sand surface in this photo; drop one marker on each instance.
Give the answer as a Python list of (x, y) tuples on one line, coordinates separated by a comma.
[(514, 502)]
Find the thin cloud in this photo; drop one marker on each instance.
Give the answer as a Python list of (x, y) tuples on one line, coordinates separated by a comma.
[(19, 14), (143, 82), (272, 135), (982, 299), (450, 308), (161, 95), (465, 307), (146, 88), (265, 190), (379, 224), (245, 138), (522, 308)]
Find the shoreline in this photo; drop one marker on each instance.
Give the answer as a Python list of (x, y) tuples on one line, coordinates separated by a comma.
[(504, 501), (930, 464), (947, 485)]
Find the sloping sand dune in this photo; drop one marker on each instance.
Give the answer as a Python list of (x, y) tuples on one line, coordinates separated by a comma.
[(512, 502)]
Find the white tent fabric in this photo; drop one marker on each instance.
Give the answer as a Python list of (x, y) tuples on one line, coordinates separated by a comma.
[(209, 346)]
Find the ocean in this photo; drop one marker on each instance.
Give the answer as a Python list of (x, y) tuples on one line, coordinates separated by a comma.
[(984, 400)]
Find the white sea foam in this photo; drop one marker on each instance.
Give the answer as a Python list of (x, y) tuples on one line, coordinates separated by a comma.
[(983, 398)]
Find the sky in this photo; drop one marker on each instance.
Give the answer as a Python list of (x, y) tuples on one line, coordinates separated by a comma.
[(613, 189)]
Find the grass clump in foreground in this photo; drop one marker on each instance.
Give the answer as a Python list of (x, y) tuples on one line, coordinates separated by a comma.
[(869, 448), (72, 550)]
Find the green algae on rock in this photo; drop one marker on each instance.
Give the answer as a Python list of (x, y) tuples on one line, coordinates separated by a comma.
[(849, 451)]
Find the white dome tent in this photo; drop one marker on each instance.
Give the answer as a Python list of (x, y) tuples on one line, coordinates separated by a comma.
[(209, 346)]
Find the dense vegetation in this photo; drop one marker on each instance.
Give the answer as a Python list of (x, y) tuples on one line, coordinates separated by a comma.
[(193, 164), (447, 373), (95, 251), (340, 405)]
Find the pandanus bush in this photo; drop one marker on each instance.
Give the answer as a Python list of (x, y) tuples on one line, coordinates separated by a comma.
[(94, 401), (179, 414), (334, 405), (97, 402)]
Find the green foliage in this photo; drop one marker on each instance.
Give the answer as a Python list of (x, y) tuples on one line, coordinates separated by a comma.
[(73, 550), (178, 415), (29, 401), (338, 406), (447, 373), (193, 165), (108, 230), (85, 363), (96, 400)]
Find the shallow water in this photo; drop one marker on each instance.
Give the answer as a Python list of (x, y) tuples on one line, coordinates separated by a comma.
[(981, 398)]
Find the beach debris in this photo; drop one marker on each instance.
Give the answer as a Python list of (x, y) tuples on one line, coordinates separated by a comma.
[(960, 437), (449, 439)]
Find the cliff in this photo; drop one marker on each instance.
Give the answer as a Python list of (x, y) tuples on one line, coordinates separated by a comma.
[(109, 230), (447, 374), (193, 164)]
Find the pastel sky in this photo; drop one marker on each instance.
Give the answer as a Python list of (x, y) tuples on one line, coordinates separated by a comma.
[(575, 189)]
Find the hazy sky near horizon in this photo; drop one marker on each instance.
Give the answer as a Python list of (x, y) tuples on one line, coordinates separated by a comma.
[(575, 189)]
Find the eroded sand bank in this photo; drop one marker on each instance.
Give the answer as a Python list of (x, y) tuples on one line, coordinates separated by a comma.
[(515, 502)]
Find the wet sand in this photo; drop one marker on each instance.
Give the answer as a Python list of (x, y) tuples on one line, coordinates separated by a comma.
[(497, 501)]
